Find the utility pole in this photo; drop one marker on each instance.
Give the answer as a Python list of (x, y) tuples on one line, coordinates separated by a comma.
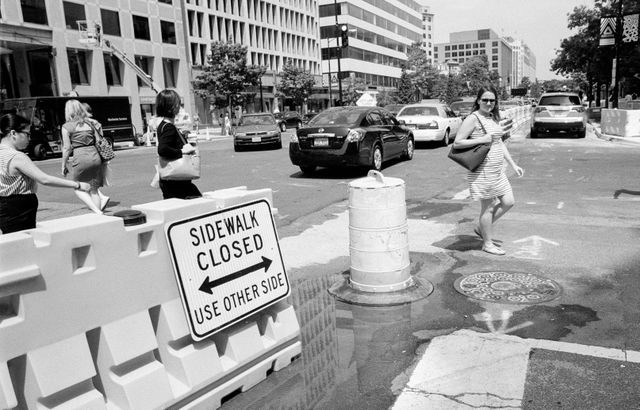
[(338, 49), (614, 69)]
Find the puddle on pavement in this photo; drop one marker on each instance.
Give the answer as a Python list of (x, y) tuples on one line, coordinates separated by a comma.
[(352, 355)]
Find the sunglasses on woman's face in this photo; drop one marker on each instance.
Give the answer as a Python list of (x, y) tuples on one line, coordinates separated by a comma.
[(487, 100)]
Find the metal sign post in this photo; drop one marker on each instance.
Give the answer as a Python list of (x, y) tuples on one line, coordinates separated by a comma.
[(228, 265)]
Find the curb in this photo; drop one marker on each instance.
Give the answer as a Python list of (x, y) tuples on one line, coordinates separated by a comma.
[(608, 137)]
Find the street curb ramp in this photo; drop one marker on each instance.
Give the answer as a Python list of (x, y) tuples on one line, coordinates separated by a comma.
[(91, 317)]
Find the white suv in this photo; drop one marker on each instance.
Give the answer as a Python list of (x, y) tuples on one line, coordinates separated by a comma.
[(559, 112)]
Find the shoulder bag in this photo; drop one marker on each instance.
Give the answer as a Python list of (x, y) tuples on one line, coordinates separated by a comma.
[(104, 147), (471, 157), (184, 168)]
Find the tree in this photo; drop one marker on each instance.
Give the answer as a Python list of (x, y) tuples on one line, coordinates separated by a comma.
[(351, 93), (475, 72), (449, 87), (525, 83), (295, 83), (227, 75), (423, 76), (406, 94)]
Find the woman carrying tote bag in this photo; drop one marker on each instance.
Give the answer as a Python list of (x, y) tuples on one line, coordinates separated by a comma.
[(172, 146), (488, 183)]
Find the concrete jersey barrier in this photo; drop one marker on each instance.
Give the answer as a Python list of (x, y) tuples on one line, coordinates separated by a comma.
[(91, 318)]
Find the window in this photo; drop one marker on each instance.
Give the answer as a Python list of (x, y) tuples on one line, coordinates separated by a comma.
[(145, 64), (494, 58), (494, 65), (110, 22), (112, 70), (494, 50), (170, 72), (73, 12), (34, 11), (454, 47), (141, 28), (467, 46), (78, 66), (168, 30), (454, 54), (164, 1), (447, 48), (494, 44)]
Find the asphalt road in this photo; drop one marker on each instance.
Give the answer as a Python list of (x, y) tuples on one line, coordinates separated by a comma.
[(576, 221)]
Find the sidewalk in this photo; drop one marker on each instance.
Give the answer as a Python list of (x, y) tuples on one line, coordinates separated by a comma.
[(613, 138), (467, 369)]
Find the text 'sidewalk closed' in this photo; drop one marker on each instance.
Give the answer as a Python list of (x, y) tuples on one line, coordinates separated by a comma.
[(228, 265)]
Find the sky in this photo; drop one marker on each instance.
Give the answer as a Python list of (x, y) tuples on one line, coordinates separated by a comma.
[(541, 24)]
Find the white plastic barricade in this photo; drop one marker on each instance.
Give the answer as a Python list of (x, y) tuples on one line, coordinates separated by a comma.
[(90, 317)]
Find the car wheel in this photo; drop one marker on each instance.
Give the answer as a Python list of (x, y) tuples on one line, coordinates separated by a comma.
[(445, 139), (376, 158), (582, 134), (307, 169), (40, 152), (283, 127), (408, 150)]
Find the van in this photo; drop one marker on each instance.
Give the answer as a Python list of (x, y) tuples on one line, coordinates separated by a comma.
[(47, 117)]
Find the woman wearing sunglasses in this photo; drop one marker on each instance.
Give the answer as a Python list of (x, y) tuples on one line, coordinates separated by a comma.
[(488, 183)]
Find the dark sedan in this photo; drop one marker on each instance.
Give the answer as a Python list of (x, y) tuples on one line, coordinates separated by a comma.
[(288, 119), (350, 136), (256, 130)]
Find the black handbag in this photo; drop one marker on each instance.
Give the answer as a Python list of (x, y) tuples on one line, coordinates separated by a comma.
[(103, 146), (471, 157)]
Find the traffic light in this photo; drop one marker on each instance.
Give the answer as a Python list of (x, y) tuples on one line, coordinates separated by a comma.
[(344, 35)]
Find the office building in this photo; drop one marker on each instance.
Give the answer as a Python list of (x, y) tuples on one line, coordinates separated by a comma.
[(427, 41), (524, 61), (380, 34), (275, 32), (43, 53), (464, 45)]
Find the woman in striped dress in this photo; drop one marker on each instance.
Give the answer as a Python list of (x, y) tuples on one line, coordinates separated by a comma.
[(488, 183), (19, 177)]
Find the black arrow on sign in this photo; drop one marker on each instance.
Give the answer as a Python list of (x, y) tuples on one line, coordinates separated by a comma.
[(207, 285)]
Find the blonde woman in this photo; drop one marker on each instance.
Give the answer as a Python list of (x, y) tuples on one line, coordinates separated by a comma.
[(78, 142)]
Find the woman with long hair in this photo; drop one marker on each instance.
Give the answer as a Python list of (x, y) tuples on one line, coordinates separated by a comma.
[(78, 142), (172, 145), (19, 177), (488, 183)]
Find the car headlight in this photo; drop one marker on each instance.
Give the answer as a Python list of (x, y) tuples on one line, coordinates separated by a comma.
[(241, 134), (355, 135)]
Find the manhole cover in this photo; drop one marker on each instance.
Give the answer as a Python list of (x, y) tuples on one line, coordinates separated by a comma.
[(508, 287)]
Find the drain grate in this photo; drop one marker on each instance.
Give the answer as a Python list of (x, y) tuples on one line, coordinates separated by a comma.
[(508, 287)]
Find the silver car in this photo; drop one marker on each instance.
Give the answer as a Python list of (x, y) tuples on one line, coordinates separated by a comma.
[(559, 113)]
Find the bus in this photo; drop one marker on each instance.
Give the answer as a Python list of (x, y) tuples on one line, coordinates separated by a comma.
[(47, 116)]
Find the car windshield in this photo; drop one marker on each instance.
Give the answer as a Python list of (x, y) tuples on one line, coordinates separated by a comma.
[(332, 117), (419, 111), (257, 120), (560, 100), (462, 105)]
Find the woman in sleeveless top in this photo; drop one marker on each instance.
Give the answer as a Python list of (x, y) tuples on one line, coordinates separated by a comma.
[(19, 177), (78, 141), (488, 183)]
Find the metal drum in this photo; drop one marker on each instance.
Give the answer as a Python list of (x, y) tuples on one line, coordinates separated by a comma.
[(378, 234)]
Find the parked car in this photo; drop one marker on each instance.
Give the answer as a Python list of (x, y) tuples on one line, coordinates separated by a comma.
[(431, 121), (350, 136), (288, 119), (257, 130), (462, 108), (394, 108), (559, 112)]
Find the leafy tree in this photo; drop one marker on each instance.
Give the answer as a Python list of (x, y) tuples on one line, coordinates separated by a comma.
[(475, 71), (386, 97), (424, 77), (406, 90), (525, 83), (227, 75), (350, 94), (449, 87), (296, 83)]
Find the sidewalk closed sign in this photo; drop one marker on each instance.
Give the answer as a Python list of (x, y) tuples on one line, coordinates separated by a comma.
[(228, 265)]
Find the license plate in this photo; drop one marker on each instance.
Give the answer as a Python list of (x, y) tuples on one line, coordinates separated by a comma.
[(321, 142), (256, 139)]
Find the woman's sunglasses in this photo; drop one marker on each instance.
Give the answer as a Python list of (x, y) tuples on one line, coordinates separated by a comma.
[(487, 100)]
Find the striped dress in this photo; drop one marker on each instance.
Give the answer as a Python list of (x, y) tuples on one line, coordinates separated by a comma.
[(489, 179), (18, 184)]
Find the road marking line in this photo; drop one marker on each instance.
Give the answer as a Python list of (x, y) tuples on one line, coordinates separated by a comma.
[(464, 194)]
